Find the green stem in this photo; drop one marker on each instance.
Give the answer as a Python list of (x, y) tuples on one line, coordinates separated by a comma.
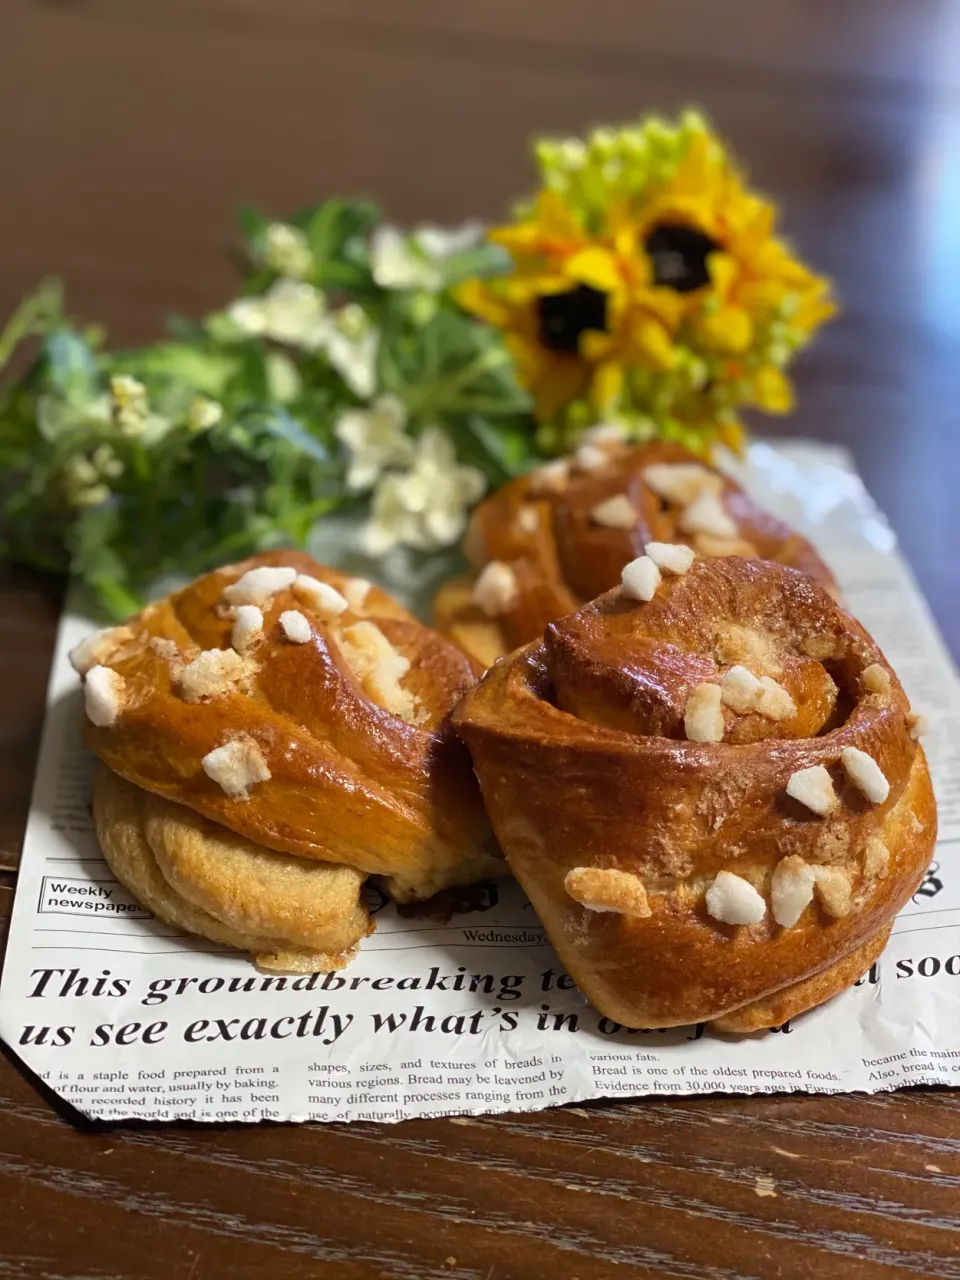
[(116, 599), (33, 313), (436, 399)]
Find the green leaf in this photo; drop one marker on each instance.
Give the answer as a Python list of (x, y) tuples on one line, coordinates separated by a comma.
[(253, 227), (333, 227), (284, 383), (451, 365), (206, 371), (482, 261), (283, 426), (186, 329), (35, 315), (70, 366), (117, 601), (502, 449), (337, 232), (250, 380)]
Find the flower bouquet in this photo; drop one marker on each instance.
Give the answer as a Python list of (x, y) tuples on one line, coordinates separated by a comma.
[(396, 377)]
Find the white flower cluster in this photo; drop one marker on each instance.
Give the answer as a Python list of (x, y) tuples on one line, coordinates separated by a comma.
[(86, 476), (131, 411), (287, 250), (416, 261), (421, 494), (425, 504), (294, 313)]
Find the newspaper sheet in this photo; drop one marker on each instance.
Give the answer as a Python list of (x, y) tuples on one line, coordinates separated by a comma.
[(123, 1016)]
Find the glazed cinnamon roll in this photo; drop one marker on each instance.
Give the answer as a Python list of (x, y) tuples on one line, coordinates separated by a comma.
[(547, 542), (282, 732), (709, 785)]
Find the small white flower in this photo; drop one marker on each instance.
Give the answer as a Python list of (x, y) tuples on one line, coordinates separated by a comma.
[(283, 377), (287, 250), (351, 345), (95, 496), (78, 470), (155, 428), (106, 462), (128, 403), (376, 438), (84, 478), (249, 315), (203, 414), (416, 261), (294, 313), (390, 523), (131, 411), (425, 507), (396, 263), (440, 243), (291, 311)]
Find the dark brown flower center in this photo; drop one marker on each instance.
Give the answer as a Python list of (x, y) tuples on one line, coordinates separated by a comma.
[(679, 256), (564, 316)]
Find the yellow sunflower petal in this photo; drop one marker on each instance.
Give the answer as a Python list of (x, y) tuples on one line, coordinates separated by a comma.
[(773, 260), (522, 239), (653, 343), (759, 219), (557, 219), (668, 306), (596, 346), (734, 435), (772, 391), (553, 230), (730, 330), (561, 379), (621, 222), (523, 290), (477, 298), (618, 307), (723, 271), (607, 384), (529, 356), (813, 311), (761, 296), (696, 173), (696, 211), (595, 267)]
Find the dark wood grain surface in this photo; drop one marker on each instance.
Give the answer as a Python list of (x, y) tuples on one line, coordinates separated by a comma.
[(128, 133)]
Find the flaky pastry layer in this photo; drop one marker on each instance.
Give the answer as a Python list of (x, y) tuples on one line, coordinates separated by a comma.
[(303, 710), (293, 915), (684, 880), (565, 532)]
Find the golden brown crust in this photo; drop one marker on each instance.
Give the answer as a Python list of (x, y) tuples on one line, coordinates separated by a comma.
[(316, 928), (620, 787), (779, 1007), (562, 556), (349, 781)]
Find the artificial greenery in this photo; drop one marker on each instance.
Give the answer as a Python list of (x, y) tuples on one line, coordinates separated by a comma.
[(122, 467), (399, 376)]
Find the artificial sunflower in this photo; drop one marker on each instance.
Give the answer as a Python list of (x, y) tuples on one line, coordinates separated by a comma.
[(576, 312), (648, 286)]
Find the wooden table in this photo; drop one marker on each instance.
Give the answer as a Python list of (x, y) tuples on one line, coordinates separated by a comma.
[(129, 133)]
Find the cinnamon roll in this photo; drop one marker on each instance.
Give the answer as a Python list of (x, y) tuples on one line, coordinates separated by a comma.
[(551, 540), (709, 785), (286, 731)]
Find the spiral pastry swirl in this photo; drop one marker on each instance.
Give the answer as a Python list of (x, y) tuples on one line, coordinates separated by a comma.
[(551, 540), (304, 711), (713, 797)]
